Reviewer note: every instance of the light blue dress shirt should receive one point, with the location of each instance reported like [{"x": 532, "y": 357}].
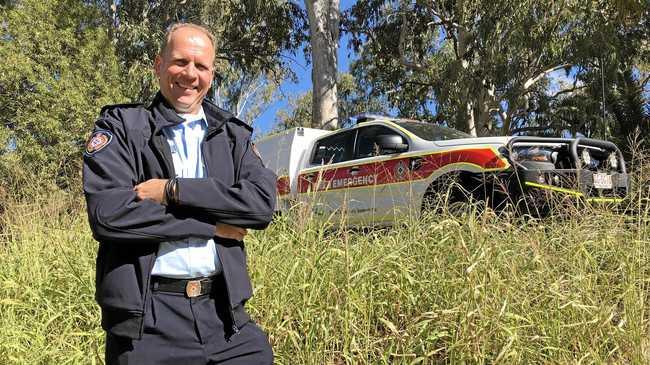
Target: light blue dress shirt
[{"x": 193, "y": 257}]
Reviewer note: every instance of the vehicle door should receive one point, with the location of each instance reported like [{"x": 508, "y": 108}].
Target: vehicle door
[
  {"x": 383, "y": 173},
  {"x": 323, "y": 185}
]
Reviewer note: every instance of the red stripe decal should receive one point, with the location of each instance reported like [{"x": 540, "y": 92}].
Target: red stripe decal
[
  {"x": 397, "y": 170},
  {"x": 283, "y": 185}
]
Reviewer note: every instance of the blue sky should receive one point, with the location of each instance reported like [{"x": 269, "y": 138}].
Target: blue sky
[{"x": 302, "y": 68}]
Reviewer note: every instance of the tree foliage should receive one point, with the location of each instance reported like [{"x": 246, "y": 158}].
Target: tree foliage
[
  {"x": 492, "y": 67},
  {"x": 486, "y": 65},
  {"x": 58, "y": 69}
]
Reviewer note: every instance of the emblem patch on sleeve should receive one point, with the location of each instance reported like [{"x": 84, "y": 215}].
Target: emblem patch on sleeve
[{"x": 98, "y": 141}]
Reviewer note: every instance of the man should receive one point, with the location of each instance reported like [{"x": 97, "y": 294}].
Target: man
[{"x": 171, "y": 190}]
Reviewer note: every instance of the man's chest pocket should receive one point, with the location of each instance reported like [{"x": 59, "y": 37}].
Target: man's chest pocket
[{"x": 218, "y": 160}]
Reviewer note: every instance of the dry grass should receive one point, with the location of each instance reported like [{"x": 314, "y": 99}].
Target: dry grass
[{"x": 476, "y": 289}]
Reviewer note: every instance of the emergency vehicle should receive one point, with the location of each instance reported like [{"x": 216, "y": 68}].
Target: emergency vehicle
[{"x": 384, "y": 167}]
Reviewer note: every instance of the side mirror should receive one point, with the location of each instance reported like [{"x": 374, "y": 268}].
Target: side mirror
[{"x": 391, "y": 143}]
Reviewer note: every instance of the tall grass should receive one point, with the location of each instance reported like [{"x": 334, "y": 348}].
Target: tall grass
[
  {"x": 47, "y": 309},
  {"x": 476, "y": 289}
]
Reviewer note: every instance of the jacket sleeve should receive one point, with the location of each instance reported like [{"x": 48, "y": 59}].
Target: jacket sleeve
[
  {"x": 248, "y": 203},
  {"x": 114, "y": 213}
]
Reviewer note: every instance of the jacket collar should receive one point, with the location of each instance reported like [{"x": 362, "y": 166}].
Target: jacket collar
[
  {"x": 164, "y": 115},
  {"x": 216, "y": 117}
]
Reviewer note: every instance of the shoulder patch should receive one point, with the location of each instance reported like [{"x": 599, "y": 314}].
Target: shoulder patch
[{"x": 97, "y": 141}]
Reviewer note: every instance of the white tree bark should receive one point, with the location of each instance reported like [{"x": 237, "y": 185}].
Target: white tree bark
[
  {"x": 324, "y": 18},
  {"x": 531, "y": 81},
  {"x": 461, "y": 49},
  {"x": 471, "y": 123}
]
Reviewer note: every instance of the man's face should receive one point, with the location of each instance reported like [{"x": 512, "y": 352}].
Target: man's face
[{"x": 184, "y": 69}]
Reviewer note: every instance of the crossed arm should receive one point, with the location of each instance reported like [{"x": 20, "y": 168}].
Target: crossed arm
[
  {"x": 122, "y": 211},
  {"x": 154, "y": 189}
]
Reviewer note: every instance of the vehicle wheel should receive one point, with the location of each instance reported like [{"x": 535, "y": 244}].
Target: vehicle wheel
[{"x": 453, "y": 195}]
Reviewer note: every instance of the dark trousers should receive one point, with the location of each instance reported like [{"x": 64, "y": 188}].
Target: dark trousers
[{"x": 188, "y": 331}]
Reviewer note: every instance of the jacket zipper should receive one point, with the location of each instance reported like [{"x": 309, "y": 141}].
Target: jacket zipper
[
  {"x": 235, "y": 329},
  {"x": 147, "y": 289},
  {"x": 203, "y": 159},
  {"x": 164, "y": 154}
]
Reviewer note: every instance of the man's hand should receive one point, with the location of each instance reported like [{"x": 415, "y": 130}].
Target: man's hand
[
  {"x": 232, "y": 232},
  {"x": 153, "y": 189}
]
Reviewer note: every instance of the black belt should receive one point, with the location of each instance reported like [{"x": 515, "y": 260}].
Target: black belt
[
  {"x": 236, "y": 316},
  {"x": 190, "y": 287}
]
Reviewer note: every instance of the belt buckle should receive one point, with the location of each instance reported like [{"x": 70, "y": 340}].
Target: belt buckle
[{"x": 193, "y": 288}]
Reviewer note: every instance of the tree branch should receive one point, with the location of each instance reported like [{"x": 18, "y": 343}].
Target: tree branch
[
  {"x": 436, "y": 24},
  {"x": 644, "y": 82},
  {"x": 402, "y": 54},
  {"x": 566, "y": 91},
  {"x": 532, "y": 129},
  {"x": 531, "y": 81},
  {"x": 449, "y": 26},
  {"x": 246, "y": 94},
  {"x": 416, "y": 83},
  {"x": 444, "y": 20}
]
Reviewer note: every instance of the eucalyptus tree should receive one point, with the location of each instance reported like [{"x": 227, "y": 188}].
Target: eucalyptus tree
[
  {"x": 482, "y": 66},
  {"x": 324, "y": 39},
  {"x": 615, "y": 71},
  {"x": 608, "y": 96}
]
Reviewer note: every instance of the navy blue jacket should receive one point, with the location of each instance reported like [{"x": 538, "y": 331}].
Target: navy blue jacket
[{"x": 238, "y": 190}]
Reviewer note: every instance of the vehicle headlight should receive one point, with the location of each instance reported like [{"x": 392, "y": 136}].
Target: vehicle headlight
[
  {"x": 613, "y": 161},
  {"x": 586, "y": 157}
]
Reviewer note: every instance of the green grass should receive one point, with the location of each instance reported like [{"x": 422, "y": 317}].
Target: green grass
[{"x": 477, "y": 289}]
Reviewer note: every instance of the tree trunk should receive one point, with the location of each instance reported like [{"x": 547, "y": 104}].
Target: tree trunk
[
  {"x": 471, "y": 123},
  {"x": 463, "y": 40},
  {"x": 482, "y": 117},
  {"x": 505, "y": 121},
  {"x": 324, "y": 40}
]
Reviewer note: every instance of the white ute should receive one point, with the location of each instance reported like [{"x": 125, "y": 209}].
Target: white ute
[{"x": 384, "y": 167}]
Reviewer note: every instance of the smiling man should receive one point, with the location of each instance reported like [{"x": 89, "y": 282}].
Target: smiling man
[
  {"x": 171, "y": 189},
  {"x": 185, "y": 67}
]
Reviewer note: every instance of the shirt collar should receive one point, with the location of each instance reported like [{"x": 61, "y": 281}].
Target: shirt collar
[
  {"x": 164, "y": 115},
  {"x": 187, "y": 117}
]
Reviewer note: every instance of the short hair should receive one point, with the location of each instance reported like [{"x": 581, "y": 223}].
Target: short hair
[{"x": 176, "y": 26}]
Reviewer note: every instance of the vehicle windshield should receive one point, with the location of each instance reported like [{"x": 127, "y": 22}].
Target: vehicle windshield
[{"x": 432, "y": 132}]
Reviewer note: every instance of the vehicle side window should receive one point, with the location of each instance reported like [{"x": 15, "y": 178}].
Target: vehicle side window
[
  {"x": 368, "y": 144},
  {"x": 333, "y": 149}
]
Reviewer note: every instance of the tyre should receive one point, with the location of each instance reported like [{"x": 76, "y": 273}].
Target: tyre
[{"x": 454, "y": 194}]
